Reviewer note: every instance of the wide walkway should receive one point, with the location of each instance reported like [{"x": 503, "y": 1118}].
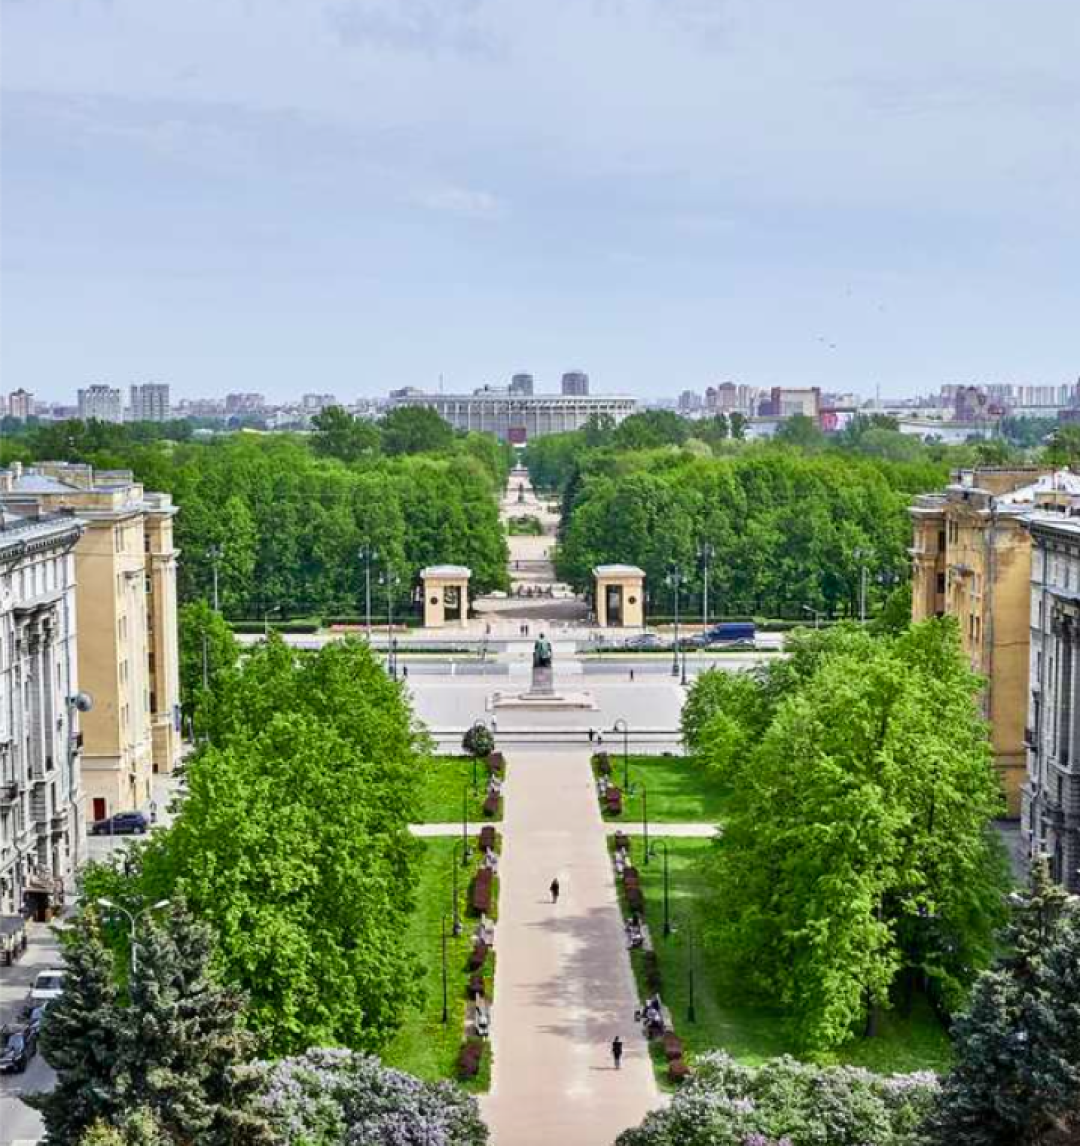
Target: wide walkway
[{"x": 563, "y": 986}]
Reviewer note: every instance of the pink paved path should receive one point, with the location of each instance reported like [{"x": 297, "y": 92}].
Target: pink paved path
[{"x": 563, "y": 985}]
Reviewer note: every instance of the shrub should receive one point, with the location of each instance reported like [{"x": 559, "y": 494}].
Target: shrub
[{"x": 470, "y": 1058}]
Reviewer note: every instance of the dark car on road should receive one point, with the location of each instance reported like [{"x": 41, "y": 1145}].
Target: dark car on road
[
  {"x": 727, "y": 635},
  {"x": 122, "y": 823},
  {"x": 19, "y": 1047},
  {"x": 645, "y": 642}
]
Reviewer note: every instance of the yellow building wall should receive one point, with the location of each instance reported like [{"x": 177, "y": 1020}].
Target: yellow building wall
[{"x": 164, "y": 655}]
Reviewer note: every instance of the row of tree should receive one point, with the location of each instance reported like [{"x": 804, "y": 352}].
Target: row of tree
[
  {"x": 785, "y": 531},
  {"x": 283, "y": 518},
  {"x": 858, "y": 863}
]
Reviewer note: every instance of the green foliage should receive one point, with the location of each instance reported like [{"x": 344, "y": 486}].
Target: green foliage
[
  {"x": 157, "y": 1060},
  {"x": 207, "y": 649},
  {"x": 289, "y": 514},
  {"x": 787, "y": 1103},
  {"x": 331, "y": 1097},
  {"x": 857, "y": 849},
  {"x": 1063, "y": 448},
  {"x": 339, "y": 435},
  {"x": 801, "y": 431},
  {"x": 650, "y": 429},
  {"x": 293, "y": 843},
  {"x": 415, "y": 430},
  {"x": 526, "y": 525},
  {"x": 478, "y": 740},
  {"x": 1017, "y": 1079}
]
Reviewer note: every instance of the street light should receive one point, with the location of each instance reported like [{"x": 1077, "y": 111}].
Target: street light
[
  {"x": 368, "y": 554},
  {"x": 445, "y": 995},
  {"x": 691, "y": 1009},
  {"x": 815, "y": 613},
  {"x": 391, "y": 580},
  {"x": 667, "y": 887},
  {"x": 454, "y": 875},
  {"x": 620, "y": 725},
  {"x": 674, "y": 582},
  {"x": 133, "y": 920},
  {"x": 215, "y": 553},
  {"x": 465, "y": 824},
  {"x": 645, "y": 818},
  {"x": 705, "y": 555}
]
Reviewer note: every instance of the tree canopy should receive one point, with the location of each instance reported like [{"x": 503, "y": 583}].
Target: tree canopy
[
  {"x": 858, "y": 854},
  {"x": 292, "y": 843}
]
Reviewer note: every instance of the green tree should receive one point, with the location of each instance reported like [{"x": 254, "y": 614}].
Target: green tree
[
  {"x": 478, "y": 740},
  {"x": 339, "y": 435},
  {"x": 207, "y": 649},
  {"x": 650, "y": 429},
  {"x": 1063, "y": 448},
  {"x": 308, "y": 895},
  {"x": 802, "y": 431},
  {"x": 1017, "y": 1077},
  {"x": 858, "y": 847},
  {"x": 158, "y": 1058},
  {"x": 415, "y": 430}
]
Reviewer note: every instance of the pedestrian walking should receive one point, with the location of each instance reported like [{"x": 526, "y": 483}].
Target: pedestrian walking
[
  {"x": 592, "y": 735},
  {"x": 631, "y": 676},
  {"x": 555, "y": 890},
  {"x": 616, "y": 1051}
]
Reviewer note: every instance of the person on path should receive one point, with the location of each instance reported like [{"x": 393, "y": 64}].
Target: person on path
[
  {"x": 616, "y": 1051},
  {"x": 555, "y": 890}
]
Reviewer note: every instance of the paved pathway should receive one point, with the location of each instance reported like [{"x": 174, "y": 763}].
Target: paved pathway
[{"x": 563, "y": 985}]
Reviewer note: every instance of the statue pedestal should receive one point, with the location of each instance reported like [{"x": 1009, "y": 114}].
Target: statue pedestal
[{"x": 543, "y": 682}]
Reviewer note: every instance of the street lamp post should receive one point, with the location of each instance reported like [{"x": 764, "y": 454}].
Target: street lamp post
[
  {"x": 465, "y": 824},
  {"x": 674, "y": 580},
  {"x": 454, "y": 875},
  {"x": 815, "y": 613},
  {"x": 667, "y": 887},
  {"x": 368, "y": 554},
  {"x": 620, "y": 725},
  {"x": 691, "y": 1009},
  {"x": 390, "y": 579},
  {"x": 133, "y": 921},
  {"x": 445, "y": 994},
  {"x": 645, "y": 819},
  {"x": 215, "y": 553},
  {"x": 705, "y": 554}
]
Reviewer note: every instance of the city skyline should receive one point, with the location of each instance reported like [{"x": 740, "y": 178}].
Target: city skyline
[{"x": 667, "y": 195}]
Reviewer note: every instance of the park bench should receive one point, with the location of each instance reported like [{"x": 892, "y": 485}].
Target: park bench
[
  {"x": 478, "y": 1018},
  {"x": 485, "y": 932}
]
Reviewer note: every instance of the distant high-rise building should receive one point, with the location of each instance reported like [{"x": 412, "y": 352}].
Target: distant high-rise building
[
  {"x": 150, "y": 402},
  {"x": 689, "y": 402},
  {"x": 101, "y": 403},
  {"x": 21, "y": 404},
  {"x": 521, "y": 384},
  {"x": 575, "y": 384},
  {"x": 316, "y": 403},
  {"x": 244, "y": 404}
]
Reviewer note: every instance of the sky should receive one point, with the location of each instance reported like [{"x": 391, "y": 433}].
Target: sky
[{"x": 348, "y": 196}]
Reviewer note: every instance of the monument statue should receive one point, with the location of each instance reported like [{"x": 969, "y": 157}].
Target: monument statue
[{"x": 542, "y": 653}]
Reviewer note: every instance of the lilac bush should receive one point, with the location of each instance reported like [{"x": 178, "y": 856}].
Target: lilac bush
[
  {"x": 329, "y": 1097},
  {"x": 789, "y": 1103}
]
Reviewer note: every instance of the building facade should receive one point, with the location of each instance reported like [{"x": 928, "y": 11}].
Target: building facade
[
  {"x": 150, "y": 402},
  {"x": 101, "y": 403},
  {"x": 517, "y": 418},
  {"x": 128, "y": 650},
  {"x": 1050, "y": 814},
  {"x": 971, "y": 559},
  {"x": 20, "y": 405},
  {"x": 42, "y": 826}
]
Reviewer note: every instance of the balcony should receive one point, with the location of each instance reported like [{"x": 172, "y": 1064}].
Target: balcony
[{"x": 9, "y": 791}]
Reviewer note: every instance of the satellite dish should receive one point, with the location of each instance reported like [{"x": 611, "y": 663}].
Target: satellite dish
[{"x": 83, "y": 701}]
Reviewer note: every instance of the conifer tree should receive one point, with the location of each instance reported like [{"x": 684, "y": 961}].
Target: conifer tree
[{"x": 1017, "y": 1079}]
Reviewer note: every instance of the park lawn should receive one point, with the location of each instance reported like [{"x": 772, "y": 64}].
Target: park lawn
[
  {"x": 725, "y": 1018},
  {"x": 443, "y": 793},
  {"x": 678, "y": 791},
  {"x": 424, "y": 1045}
]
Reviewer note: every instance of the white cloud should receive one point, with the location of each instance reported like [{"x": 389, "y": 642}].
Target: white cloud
[{"x": 460, "y": 201}]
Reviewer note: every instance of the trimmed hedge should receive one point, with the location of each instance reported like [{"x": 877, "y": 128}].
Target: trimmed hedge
[
  {"x": 470, "y": 1058},
  {"x": 277, "y": 626}
]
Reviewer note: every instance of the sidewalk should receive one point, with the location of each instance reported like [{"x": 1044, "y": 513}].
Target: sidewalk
[{"x": 563, "y": 985}]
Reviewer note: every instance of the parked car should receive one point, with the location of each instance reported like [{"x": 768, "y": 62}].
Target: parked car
[
  {"x": 644, "y": 641},
  {"x": 48, "y": 985},
  {"x": 730, "y": 634},
  {"x": 121, "y": 823},
  {"x": 19, "y": 1047},
  {"x": 12, "y": 938}
]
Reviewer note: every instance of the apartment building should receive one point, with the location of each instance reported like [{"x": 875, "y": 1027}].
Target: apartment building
[
  {"x": 1050, "y": 814},
  {"x": 971, "y": 559},
  {"x": 125, "y": 565},
  {"x": 150, "y": 402},
  {"x": 42, "y": 827},
  {"x": 102, "y": 403},
  {"x": 20, "y": 405}
]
